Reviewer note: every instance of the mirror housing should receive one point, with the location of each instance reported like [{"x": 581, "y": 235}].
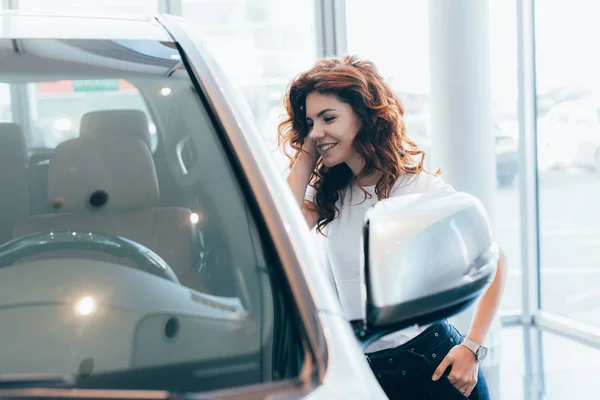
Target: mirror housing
[{"x": 426, "y": 257}]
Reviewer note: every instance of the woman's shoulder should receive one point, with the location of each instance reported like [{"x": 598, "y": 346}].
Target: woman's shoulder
[{"x": 421, "y": 182}]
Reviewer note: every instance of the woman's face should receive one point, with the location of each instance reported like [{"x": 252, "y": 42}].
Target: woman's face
[{"x": 333, "y": 125}]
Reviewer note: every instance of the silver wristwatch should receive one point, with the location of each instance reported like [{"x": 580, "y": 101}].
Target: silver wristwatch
[{"x": 477, "y": 349}]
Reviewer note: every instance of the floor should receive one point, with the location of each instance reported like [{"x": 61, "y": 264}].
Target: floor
[{"x": 569, "y": 368}]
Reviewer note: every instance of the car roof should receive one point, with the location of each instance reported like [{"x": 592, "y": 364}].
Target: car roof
[{"x": 16, "y": 24}]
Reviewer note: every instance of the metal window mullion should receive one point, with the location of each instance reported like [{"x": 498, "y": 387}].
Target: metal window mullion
[
  {"x": 163, "y": 6},
  {"x": 19, "y": 101},
  {"x": 330, "y": 23},
  {"x": 173, "y": 7},
  {"x": 10, "y": 4},
  {"x": 569, "y": 328},
  {"x": 528, "y": 194},
  {"x": 511, "y": 318},
  {"x": 528, "y": 191}
]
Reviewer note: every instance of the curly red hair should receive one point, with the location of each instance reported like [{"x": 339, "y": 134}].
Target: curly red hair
[{"x": 382, "y": 141}]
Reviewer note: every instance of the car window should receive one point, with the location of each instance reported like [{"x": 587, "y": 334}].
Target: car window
[
  {"x": 125, "y": 267},
  {"x": 56, "y": 107}
]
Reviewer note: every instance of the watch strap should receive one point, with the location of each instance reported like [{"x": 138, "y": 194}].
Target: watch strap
[{"x": 471, "y": 345}]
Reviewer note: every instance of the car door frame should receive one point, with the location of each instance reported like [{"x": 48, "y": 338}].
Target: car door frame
[{"x": 271, "y": 224}]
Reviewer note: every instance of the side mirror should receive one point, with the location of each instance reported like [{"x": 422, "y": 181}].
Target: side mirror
[{"x": 426, "y": 257}]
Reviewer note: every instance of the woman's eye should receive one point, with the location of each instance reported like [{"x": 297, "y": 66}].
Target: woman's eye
[{"x": 328, "y": 120}]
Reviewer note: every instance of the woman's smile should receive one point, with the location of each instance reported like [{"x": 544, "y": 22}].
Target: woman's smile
[{"x": 325, "y": 147}]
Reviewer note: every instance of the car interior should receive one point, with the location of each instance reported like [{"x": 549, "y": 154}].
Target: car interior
[
  {"x": 112, "y": 153},
  {"x": 176, "y": 195}
]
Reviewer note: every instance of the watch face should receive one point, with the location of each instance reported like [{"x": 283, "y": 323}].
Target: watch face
[{"x": 482, "y": 353}]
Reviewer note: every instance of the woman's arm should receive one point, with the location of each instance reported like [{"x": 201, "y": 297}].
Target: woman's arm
[
  {"x": 489, "y": 303},
  {"x": 464, "y": 364},
  {"x": 299, "y": 178}
]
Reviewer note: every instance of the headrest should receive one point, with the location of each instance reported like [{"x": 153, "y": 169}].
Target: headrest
[
  {"x": 82, "y": 169},
  {"x": 12, "y": 143},
  {"x": 115, "y": 123}
]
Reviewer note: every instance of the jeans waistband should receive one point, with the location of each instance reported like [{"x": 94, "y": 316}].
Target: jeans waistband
[{"x": 423, "y": 343}]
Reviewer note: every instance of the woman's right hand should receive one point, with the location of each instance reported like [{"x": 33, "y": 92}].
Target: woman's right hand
[
  {"x": 310, "y": 147},
  {"x": 299, "y": 178}
]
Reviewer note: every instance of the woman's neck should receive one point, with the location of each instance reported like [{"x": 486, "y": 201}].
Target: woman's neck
[
  {"x": 370, "y": 180},
  {"x": 356, "y": 164}
]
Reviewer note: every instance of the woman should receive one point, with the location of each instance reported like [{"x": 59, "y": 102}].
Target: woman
[{"x": 350, "y": 149}]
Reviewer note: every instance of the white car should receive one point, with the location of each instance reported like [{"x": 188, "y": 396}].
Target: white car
[
  {"x": 506, "y": 145},
  {"x": 568, "y": 135},
  {"x": 179, "y": 266}
]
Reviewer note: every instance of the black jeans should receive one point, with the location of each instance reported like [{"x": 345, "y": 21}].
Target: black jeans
[{"x": 405, "y": 372}]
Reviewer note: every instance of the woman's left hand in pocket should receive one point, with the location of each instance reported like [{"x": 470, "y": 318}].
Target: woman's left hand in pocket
[{"x": 465, "y": 368}]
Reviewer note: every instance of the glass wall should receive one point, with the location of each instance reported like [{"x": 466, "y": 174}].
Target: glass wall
[{"x": 568, "y": 146}]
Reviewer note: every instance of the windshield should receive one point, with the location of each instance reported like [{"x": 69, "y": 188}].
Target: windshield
[{"x": 128, "y": 255}]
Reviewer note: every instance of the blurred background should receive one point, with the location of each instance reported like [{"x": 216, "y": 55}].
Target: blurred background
[{"x": 263, "y": 44}]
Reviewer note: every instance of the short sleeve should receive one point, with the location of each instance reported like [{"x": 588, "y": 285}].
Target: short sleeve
[
  {"x": 436, "y": 184},
  {"x": 420, "y": 183},
  {"x": 310, "y": 194}
]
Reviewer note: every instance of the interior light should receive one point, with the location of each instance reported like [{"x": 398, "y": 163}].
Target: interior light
[
  {"x": 194, "y": 218},
  {"x": 63, "y": 124},
  {"x": 165, "y": 91},
  {"x": 86, "y": 306}
]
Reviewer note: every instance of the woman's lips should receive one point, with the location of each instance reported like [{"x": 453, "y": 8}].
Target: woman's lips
[{"x": 324, "y": 148}]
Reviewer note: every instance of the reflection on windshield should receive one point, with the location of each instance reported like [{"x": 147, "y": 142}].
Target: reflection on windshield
[{"x": 121, "y": 266}]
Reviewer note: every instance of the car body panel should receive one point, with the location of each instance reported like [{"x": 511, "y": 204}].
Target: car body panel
[
  {"x": 568, "y": 135},
  {"x": 17, "y": 24},
  {"x": 346, "y": 378}
]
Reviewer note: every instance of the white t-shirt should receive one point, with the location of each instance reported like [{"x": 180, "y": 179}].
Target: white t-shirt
[{"x": 343, "y": 246}]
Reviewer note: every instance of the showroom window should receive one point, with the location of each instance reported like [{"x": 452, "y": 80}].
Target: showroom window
[
  {"x": 568, "y": 154},
  {"x": 57, "y": 107}
]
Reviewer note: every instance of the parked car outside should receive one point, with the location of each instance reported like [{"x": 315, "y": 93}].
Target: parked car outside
[{"x": 506, "y": 145}]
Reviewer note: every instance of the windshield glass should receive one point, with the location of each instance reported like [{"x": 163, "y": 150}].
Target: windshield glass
[{"x": 129, "y": 258}]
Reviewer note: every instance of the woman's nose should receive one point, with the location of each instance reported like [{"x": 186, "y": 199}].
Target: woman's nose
[{"x": 316, "y": 133}]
